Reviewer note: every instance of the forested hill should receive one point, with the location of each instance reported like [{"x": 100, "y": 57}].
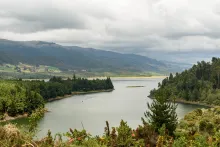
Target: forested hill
[
  {"x": 20, "y": 97},
  {"x": 199, "y": 83},
  {"x": 76, "y": 58}
]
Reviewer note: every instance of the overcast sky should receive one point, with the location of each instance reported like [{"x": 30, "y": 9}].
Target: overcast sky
[{"x": 134, "y": 26}]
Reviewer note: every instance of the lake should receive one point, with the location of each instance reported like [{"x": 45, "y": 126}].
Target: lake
[{"x": 92, "y": 110}]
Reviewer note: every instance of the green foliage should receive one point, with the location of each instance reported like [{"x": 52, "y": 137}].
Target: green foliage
[
  {"x": 199, "y": 83},
  {"x": 147, "y": 133},
  {"x": 180, "y": 142},
  {"x": 162, "y": 130},
  {"x": 200, "y": 141},
  {"x": 124, "y": 135},
  {"x": 78, "y": 136},
  {"x": 202, "y": 125},
  {"x": 16, "y": 99},
  {"x": 210, "y": 128},
  {"x": 20, "y": 97},
  {"x": 34, "y": 118},
  {"x": 162, "y": 112},
  {"x": 58, "y": 87},
  {"x": 91, "y": 143},
  {"x": 198, "y": 112},
  {"x": 199, "y": 130},
  {"x": 207, "y": 126}
]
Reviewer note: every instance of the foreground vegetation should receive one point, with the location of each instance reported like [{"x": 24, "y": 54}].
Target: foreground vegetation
[
  {"x": 201, "y": 83},
  {"x": 200, "y": 128},
  {"x": 19, "y": 97}
]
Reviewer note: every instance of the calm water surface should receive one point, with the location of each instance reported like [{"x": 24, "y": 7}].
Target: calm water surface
[{"x": 92, "y": 110}]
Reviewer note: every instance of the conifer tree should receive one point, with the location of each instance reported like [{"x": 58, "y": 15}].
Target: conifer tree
[{"x": 162, "y": 111}]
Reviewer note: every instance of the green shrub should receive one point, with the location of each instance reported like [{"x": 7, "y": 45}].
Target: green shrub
[
  {"x": 217, "y": 110},
  {"x": 200, "y": 141},
  {"x": 180, "y": 142},
  {"x": 182, "y": 124},
  {"x": 124, "y": 135},
  {"x": 90, "y": 143},
  {"x": 190, "y": 116},
  {"x": 198, "y": 112},
  {"x": 217, "y": 120},
  {"x": 210, "y": 128},
  {"x": 78, "y": 137},
  {"x": 2, "y": 116},
  {"x": 202, "y": 125},
  {"x": 181, "y": 133}
]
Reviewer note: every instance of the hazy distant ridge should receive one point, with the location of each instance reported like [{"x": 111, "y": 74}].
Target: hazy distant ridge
[{"x": 73, "y": 57}]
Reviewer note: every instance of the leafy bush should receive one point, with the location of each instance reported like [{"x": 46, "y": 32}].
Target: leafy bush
[
  {"x": 210, "y": 128},
  {"x": 198, "y": 112},
  {"x": 180, "y": 142},
  {"x": 124, "y": 135},
  {"x": 202, "y": 125},
  {"x": 200, "y": 141}
]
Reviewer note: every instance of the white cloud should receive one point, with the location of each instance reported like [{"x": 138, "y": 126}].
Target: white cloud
[{"x": 122, "y": 25}]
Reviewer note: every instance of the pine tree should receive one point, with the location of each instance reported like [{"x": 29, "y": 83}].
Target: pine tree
[
  {"x": 74, "y": 77},
  {"x": 162, "y": 112},
  {"x": 74, "y": 88},
  {"x": 109, "y": 83},
  {"x": 171, "y": 76}
]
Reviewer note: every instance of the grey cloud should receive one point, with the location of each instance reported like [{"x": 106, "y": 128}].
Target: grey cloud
[
  {"x": 41, "y": 21},
  {"x": 125, "y": 26}
]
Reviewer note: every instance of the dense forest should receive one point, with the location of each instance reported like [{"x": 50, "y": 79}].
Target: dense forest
[
  {"x": 19, "y": 97},
  {"x": 200, "y": 83}
]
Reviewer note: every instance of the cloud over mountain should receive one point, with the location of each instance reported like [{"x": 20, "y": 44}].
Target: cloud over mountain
[{"x": 125, "y": 26}]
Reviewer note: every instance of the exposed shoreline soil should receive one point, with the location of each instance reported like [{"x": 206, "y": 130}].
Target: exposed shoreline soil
[{"x": 9, "y": 118}]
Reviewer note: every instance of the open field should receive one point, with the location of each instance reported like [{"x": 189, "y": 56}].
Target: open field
[{"x": 26, "y": 71}]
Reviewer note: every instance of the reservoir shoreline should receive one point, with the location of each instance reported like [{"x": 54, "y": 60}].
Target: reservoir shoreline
[
  {"x": 181, "y": 101},
  {"x": 79, "y": 93},
  {"x": 25, "y": 115}
]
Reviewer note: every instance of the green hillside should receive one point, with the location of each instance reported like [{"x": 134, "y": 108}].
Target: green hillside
[
  {"x": 77, "y": 59},
  {"x": 201, "y": 84}
]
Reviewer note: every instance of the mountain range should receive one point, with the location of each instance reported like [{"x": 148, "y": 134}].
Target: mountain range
[{"x": 78, "y": 58}]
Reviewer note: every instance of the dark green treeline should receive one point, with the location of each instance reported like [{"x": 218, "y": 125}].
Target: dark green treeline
[
  {"x": 19, "y": 97},
  {"x": 199, "y": 83}
]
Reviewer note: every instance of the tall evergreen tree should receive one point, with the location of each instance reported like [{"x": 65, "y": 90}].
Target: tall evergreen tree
[
  {"x": 162, "y": 111},
  {"x": 74, "y": 77},
  {"x": 171, "y": 76}
]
